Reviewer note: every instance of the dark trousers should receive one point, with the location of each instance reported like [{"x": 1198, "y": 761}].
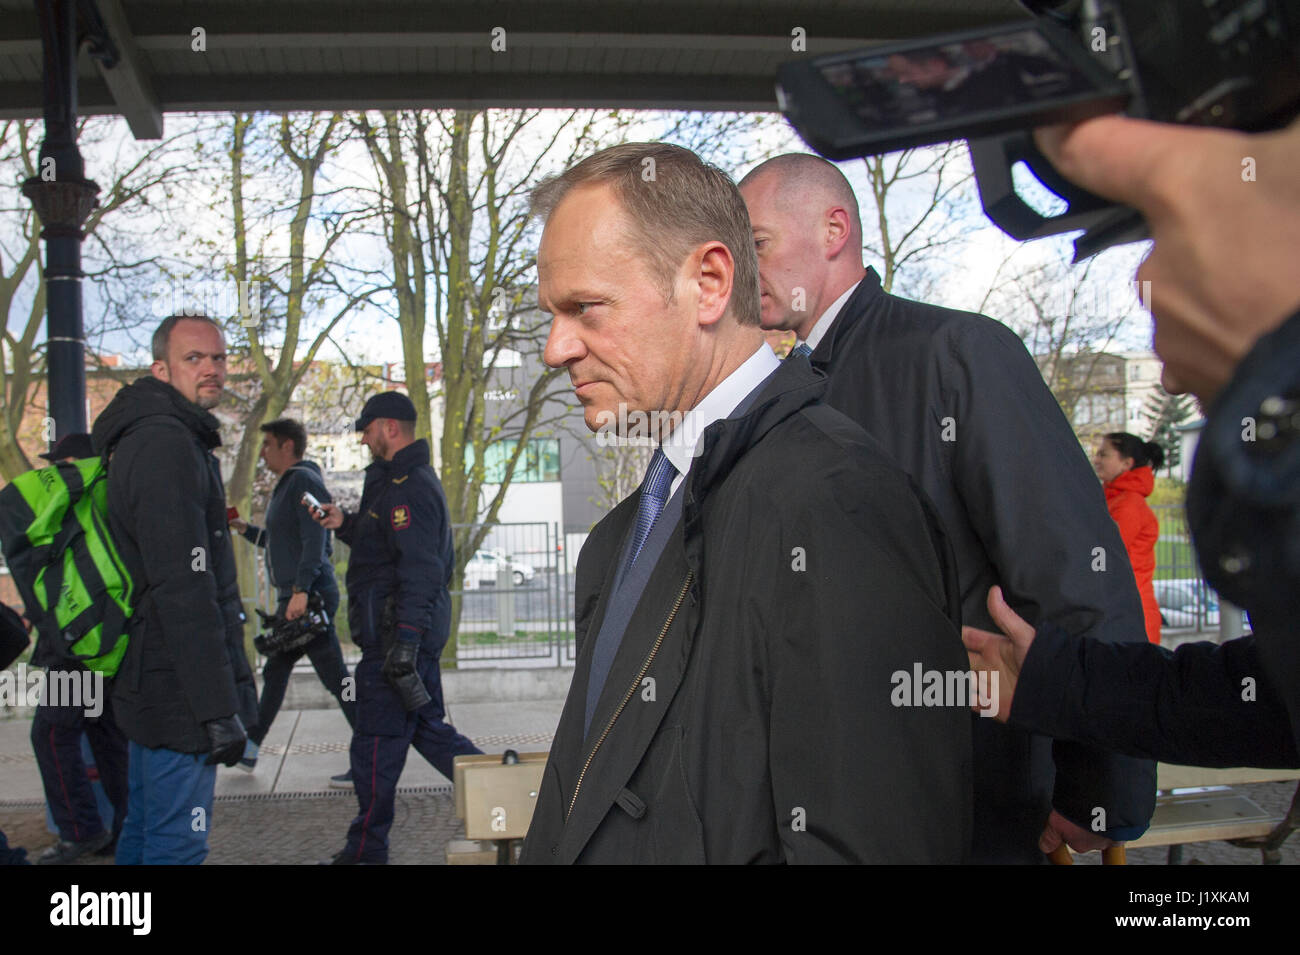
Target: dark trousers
[
  {"x": 56, "y": 740},
  {"x": 384, "y": 731},
  {"x": 326, "y": 659}
]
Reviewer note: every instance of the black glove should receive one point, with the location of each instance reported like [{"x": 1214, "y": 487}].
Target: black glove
[
  {"x": 399, "y": 669},
  {"x": 400, "y": 660},
  {"x": 227, "y": 737}
]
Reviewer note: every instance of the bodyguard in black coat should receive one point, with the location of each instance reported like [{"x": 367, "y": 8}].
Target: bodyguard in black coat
[
  {"x": 957, "y": 401},
  {"x": 741, "y": 640}
]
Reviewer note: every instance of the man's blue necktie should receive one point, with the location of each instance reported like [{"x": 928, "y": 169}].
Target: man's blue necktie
[
  {"x": 800, "y": 350},
  {"x": 654, "y": 495}
]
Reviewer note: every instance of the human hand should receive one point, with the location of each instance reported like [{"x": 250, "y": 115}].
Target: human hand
[
  {"x": 331, "y": 516},
  {"x": 297, "y": 606},
  {"x": 226, "y": 738},
  {"x": 239, "y": 524},
  {"x": 1060, "y": 830},
  {"x": 400, "y": 660},
  {"x": 998, "y": 655},
  {"x": 1224, "y": 211}
]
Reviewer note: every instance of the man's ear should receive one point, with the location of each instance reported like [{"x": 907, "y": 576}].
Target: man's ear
[
  {"x": 715, "y": 273},
  {"x": 160, "y": 371},
  {"x": 838, "y": 232}
]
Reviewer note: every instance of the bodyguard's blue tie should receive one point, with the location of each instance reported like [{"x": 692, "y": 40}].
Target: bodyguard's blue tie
[
  {"x": 800, "y": 350},
  {"x": 654, "y": 495}
]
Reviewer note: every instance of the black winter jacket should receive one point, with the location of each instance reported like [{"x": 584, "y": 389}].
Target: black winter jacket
[
  {"x": 956, "y": 400},
  {"x": 748, "y": 713},
  {"x": 402, "y": 554},
  {"x": 185, "y": 662}
]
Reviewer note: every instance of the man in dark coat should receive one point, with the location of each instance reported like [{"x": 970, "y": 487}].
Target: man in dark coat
[
  {"x": 399, "y": 612},
  {"x": 745, "y": 620},
  {"x": 957, "y": 401},
  {"x": 184, "y": 691}
]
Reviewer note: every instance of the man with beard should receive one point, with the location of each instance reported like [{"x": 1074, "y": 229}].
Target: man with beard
[
  {"x": 399, "y": 610},
  {"x": 184, "y": 692}
]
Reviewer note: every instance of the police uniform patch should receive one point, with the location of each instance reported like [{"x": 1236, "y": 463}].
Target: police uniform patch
[{"x": 401, "y": 517}]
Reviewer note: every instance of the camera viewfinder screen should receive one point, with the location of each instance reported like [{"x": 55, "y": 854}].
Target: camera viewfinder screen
[{"x": 953, "y": 81}]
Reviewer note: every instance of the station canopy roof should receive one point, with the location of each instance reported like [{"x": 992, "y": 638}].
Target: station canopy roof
[{"x": 376, "y": 54}]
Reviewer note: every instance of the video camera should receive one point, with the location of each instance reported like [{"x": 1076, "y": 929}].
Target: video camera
[
  {"x": 283, "y": 636},
  {"x": 1228, "y": 63}
]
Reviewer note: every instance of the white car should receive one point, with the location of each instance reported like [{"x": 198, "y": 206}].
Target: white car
[
  {"x": 481, "y": 569},
  {"x": 1184, "y": 604},
  {"x": 1188, "y": 603}
]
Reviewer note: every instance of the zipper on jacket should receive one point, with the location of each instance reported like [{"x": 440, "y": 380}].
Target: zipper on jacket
[{"x": 631, "y": 690}]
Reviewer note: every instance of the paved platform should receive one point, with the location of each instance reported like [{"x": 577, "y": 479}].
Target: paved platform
[{"x": 284, "y": 812}]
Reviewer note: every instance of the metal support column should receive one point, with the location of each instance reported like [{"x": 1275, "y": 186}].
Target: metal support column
[{"x": 63, "y": 198}]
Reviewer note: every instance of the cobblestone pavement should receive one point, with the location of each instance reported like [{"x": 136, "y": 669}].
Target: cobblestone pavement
[
  {"x": 288, "y": 830},
  {"x": 296, "y": 830}
]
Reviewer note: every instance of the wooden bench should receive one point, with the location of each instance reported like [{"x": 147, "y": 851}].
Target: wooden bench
[{"x": 1195, "y": 804}]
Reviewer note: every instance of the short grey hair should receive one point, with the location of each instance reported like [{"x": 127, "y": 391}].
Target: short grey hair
[
  {"x": 686, "y": 202},
  {"x": 804, "y": 176}
]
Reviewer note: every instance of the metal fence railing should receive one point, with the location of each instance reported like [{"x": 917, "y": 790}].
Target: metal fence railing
[
  {"x": 516, "y": 595},
  {"x": 1187, "y": 603},
  {"x": 514, "y": 606}
]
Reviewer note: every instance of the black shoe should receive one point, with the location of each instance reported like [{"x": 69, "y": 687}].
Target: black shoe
[
  {"x": 62, "y": 852},
  {"x": 348, "y": 857},
  {"x": 342, "y": 781}
]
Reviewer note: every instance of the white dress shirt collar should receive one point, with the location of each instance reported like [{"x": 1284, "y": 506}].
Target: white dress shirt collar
[
  {"x": 828, "y": 317},
  {"x": 682, "y": 445}
]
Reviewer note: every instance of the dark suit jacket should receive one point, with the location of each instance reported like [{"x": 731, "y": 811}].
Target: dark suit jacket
[
  {"x": 748, "y": 715},
  {"x": 958, "y": 402}
]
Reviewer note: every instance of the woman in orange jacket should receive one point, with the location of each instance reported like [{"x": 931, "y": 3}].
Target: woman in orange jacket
[{"x": 1126, "y": 465}]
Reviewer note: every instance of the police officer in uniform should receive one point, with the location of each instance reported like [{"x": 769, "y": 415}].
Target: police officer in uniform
[{"x": 399, "y": 610}]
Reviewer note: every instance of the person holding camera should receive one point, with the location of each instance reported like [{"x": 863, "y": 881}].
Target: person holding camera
[
  {"x": 1225, "y": 296},
  {"x": 299, "y": 551},
  {"x": 399, "y": 610}
]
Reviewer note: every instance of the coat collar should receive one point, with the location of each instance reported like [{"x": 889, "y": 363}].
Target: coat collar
[
  {"x": 149, "y": 397},
  {"x": 854, "y": 311},
  {"x": 404, "y": 461},
  {"x": 792, "y": 386},
  {"x": 1139, "y": 480}
]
